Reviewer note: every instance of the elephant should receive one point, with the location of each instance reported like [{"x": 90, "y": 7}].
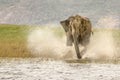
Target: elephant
[{"x": 78, "y": 31}]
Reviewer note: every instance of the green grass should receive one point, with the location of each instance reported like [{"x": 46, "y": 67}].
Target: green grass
[
  {"x": 13, "y": 39},
  {"x": 12, "y": 32}
]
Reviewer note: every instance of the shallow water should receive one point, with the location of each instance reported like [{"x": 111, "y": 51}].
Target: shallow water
[{"x": 37, "y": 69}]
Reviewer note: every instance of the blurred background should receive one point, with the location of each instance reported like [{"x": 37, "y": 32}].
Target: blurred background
[{"x": 40, "y": 12}]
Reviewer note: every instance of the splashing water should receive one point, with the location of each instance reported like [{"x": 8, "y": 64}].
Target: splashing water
[
  {"x": 102, "y": 42},
  {"x": 44, "y": 43},
  {"x": 101, "y": 46}
]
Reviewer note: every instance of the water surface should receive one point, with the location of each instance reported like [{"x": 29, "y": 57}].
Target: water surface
[{"x": 37, "y": 69}]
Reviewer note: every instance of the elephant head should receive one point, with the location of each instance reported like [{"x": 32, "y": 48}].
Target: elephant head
[
  {"x": 73, "y": 28},
  {"x": 78, "y": 31}
]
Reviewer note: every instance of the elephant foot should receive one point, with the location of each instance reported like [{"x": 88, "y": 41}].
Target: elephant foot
[{"x": 79, "y": 57}]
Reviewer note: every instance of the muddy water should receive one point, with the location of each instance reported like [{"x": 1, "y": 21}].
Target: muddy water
[{"x": 37, "y": 69}]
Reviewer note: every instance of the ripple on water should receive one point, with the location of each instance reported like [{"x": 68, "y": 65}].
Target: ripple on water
[{"x": 35, "y": 69}]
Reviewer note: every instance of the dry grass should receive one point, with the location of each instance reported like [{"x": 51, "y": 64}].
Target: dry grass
[
  {"x": 8, "y": 49},
  {"x": 13, "y": 39}
]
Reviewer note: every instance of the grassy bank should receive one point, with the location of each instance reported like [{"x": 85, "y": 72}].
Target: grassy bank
[{"x": 13, "y": 39}]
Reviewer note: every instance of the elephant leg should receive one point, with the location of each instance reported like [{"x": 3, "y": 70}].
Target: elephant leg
[
  {"x": 69, "y": 39},
  {"x": 77, "y": 48},
  {"x": 85, "y": 42}
]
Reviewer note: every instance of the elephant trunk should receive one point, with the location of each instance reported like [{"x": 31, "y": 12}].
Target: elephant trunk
[
  {"x": 76, "y": 45},
  {"x": 77, "y": 48}
]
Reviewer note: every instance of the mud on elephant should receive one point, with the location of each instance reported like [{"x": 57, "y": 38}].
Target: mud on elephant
[{"x": 78, "y": 31}]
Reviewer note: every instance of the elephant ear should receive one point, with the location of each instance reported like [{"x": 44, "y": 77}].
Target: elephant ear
[
  {"x": 86, "y": 24},
  {"x": 65, "y": 24}
]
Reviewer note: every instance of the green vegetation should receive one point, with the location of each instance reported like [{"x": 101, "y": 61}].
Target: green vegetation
[{"x": 13, "y": 39}]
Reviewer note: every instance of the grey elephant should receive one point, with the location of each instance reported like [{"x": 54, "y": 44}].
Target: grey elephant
[{"x": 78, "y": 31}]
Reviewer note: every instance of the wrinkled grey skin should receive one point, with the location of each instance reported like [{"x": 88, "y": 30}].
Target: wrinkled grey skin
[{"x": 78, "y": 31}]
